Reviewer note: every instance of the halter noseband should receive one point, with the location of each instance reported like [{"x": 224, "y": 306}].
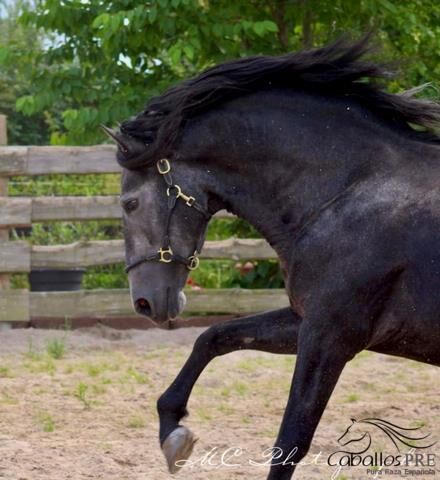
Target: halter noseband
[{"x": 165, "y": 254}]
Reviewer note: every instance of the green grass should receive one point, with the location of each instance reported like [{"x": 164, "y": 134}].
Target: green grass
[
  {"x": 240, "y": 388},
  {"x": 41, "y": 364},
  {"x": 138, "y": 377},
  {"x": 5, "y": 372},
  {"x": 81, "y": 394},
  {"x": 225, "y": 409},
  {"x": 351, "y": 398},
  {"x": 226, "y": 392},
  {"x": 47, "y": 422},
  {"x": 94, "y": 370},
  {"x": 136, "y": 421},
  {"x": 56, "y": 348},
  {"x": 203, "y": 414},
  {"x": 419, "y": 424}
]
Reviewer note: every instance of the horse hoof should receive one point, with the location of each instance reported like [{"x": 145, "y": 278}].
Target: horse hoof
[{"x": 178, "y": 446}]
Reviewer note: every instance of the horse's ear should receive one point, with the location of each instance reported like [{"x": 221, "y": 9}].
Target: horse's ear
[{"x": 131, "y": 152}]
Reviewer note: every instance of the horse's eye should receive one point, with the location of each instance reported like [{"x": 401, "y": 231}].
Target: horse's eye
[{"x": 130, "y": 205}]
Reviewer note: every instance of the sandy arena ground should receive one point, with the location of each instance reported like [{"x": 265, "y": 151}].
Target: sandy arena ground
[{"x": 91, "y": 414}]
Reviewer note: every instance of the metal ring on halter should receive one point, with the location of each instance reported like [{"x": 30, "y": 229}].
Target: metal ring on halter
[
  {"x": 167, "y": 167},
  {"x": 194, "y": 262}
]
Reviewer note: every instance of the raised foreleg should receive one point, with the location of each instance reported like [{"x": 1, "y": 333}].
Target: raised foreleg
[{"x": 274, "y": 332}]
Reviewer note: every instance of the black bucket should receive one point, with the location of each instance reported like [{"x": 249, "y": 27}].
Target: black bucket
[{"x": 56, "y": 280}]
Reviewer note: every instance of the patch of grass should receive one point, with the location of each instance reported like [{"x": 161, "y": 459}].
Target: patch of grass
[
  {"x": 352, "y": 397},
  {"x": 204, "y": 414},
  {"x": 225, "y": 409},
  {"x": 47, "y": 422},
  {"x": 137, "y": 376},
  {"x": 271, "y": 433},
  {"x": 419, "y": 424},
  {"x": 94, "y": 370},
  {"x": 136, "y": 421},
  {"x": 5, "y": 372},
  {"x": 42, "y": 365},
  {"x": 289, "y": 362},
  {"x": 248, "y": 366},
  {"x": 240, "y": 388},
  {"x": 56, "y": 347},
  {"x": 360, "y": 357},
  {"x": 225, "y": 392},
  {"x": 81, "y": 394}
]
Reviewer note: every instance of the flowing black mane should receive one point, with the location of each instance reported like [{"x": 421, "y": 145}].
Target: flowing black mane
[{"x": 337, "y": 69}]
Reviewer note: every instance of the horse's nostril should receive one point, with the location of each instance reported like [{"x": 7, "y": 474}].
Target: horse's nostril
[{"x": 143, "y": 307}]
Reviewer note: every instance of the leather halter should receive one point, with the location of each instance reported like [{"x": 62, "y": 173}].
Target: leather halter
[{"x": 165, "y": 254}]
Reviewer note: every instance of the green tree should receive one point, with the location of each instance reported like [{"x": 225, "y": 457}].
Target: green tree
[
  {"x": 19, "y": 45},
  {"x": 106, "y": 59}
]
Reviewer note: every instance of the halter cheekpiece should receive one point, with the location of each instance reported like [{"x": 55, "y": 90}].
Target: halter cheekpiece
[{"x": 165, "y": 254}]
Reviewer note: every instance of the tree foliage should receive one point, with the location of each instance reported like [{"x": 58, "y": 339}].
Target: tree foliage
[
  {"x": 19, "y": 45},
  {"x": 104, "y": 59}
]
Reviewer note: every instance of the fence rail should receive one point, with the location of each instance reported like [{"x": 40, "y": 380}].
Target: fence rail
[
  {"x": 22, "y": 305},
  {"x": 23, "y": 211},
  {"x": 48, "y": 160},
  {"x": 21, "y": 257}
]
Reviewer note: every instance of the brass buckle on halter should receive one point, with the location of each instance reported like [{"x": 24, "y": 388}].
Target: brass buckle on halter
[
  {"x": 166, "y": 255},
  {"x": 194, "y": 261},
  {"x": 163, "y": 166},
  {"x": 186, "y": 198}
]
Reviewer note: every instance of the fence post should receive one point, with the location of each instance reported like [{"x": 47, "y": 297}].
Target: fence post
[{"x": 4, "y": 233}]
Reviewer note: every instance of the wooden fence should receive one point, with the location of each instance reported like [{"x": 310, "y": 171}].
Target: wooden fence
[{"x": 20, "y": 256}]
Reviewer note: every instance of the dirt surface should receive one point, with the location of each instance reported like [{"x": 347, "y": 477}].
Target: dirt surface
[{"x": 91, "y": 413}]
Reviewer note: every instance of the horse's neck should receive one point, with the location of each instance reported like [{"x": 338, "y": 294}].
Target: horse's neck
[{"x": 282, "y": 158}]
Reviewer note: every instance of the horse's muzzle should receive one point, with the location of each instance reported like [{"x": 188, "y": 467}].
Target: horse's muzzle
[{"x": 160, "y": 306}]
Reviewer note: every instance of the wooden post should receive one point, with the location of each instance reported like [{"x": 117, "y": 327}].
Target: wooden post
[{"x": 4, "y": 233}]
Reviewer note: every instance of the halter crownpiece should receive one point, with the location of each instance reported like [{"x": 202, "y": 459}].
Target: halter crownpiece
[{"x": 165, "y": 254}]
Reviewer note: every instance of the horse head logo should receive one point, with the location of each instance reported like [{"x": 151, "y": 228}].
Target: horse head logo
[{"x": 359, "y": 434}]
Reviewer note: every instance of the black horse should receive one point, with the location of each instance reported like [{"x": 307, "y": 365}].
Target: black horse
[{"x": 341, "y": 178}]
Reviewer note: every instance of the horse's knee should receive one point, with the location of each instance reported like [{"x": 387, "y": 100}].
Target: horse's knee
[{"x": 169, "y": 403}]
